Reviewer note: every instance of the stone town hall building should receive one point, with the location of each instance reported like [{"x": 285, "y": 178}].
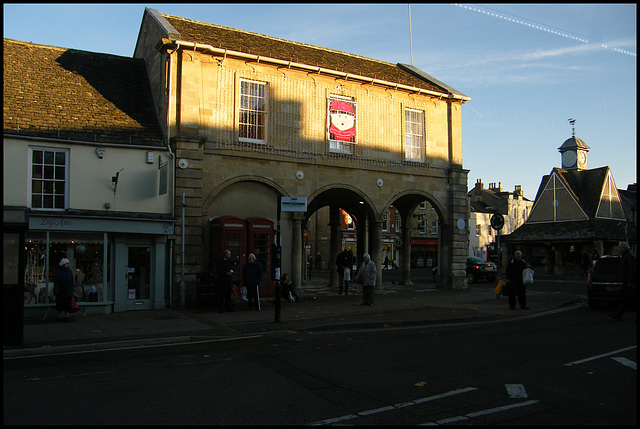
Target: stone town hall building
[
  {"x": 260, "y": 133},
  {"x": 252, "y": 118}
]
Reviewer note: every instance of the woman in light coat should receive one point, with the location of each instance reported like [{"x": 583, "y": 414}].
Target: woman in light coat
[{"x": 367, "y": 274}]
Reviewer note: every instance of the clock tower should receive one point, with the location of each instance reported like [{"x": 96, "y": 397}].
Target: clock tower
[{"x": 574, "y": 152}]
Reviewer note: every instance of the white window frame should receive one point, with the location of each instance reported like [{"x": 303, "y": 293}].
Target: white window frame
[
  {"x": 434, "y": 227},
  {"x": 385, "y": 222},
  {"x": 414, "y": 135},
  {"x": 249, "y": 104},
  {"x": 49, "y": 178}
]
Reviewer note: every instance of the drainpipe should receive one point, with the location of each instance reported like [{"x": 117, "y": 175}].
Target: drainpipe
[
  {"x": 173, "y": 169},
  {"x": 169, "y": 71},
  {"x": 182, "y": 285}
]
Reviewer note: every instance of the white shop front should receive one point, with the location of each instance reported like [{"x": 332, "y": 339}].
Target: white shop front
[{"x": 119, "y": 264}]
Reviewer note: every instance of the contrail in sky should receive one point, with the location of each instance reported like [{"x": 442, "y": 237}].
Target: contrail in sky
[{"x": 537, "y": 26}]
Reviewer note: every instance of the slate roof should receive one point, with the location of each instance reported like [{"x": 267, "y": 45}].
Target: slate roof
[
  {"x": 573, "y": 142},
  {"x": 591, "y": 229},
  {"x": 77, "y": 95},
  {"x": 586, "y": 186},
  {"x": 481, "y": 207},
  {"x": 257, "y": 44}
]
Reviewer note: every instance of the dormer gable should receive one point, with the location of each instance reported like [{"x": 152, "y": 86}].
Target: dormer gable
[
  {"x": 610, "y": 206},
  {"x": 556, "y": 201}
]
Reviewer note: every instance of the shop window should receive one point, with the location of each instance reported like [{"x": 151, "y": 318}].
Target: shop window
[
  {"x": 414, "y": 140},
  {"x": 253, "y": 111},
  {"x": 43, "y": 254},
  {"x": 49, "y": 178}
]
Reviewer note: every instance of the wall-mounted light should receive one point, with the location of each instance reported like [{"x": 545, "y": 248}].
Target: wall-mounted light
[
  {"x": 114, "y": 180},
  {"x": 100, "y": 151}
]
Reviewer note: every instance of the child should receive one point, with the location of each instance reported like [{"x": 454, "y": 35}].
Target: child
[
  {"x": 347, "y": 279},
  {"x": 286, "y": 289}
]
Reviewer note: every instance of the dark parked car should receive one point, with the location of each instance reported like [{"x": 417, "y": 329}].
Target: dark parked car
[
  {"x": 478, "y": 268},
  {"x": 602, "y": 282}
]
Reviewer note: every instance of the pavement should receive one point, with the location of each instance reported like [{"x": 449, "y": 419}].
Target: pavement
[{"x": 320, "y": 309}]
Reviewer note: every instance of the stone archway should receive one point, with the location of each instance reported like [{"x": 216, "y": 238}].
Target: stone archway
[
  {"x": 406, "y": 204},
  {"x": 359, "y": 207}
]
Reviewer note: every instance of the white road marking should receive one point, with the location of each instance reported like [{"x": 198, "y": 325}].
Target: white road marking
[
  {"x": 625, "y": 361},
  {"x": 392, "y": 407},
  {"x": 516, "y": 391},
  {"x": 480, "y": 413},
  {"x": 503, "y": 408},
  {"x": 599, "y": 356}
]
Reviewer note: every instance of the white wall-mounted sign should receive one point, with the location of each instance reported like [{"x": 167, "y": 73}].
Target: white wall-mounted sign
[{"x": 293, "y": 204}]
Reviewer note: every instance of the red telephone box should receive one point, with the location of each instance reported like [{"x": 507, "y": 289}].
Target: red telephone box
[
  {"x": 229, "y": 233},
  {"x": 260, "y": 239}
]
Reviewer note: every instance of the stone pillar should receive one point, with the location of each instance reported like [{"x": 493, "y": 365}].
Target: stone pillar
[
  {"x": 361, "y": 237},
  {"x": 334, "y": 244},
  {"x": 458, "y": 228},
  {"x": 375, "y": 249},
  {"x": 296, "y": 251},
  {"x": 406, "y": 253}
]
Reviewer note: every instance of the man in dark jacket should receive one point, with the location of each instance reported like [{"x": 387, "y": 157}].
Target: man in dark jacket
[
  {"x": 251, "y": 276},
  {"x": 627, "y": 276},
  {"x": 63, "y": 289},
  {"x": 514, "y": 275},
  {"x": 223, "y": 287}
]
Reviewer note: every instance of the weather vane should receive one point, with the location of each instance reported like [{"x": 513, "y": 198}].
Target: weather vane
[{"x": 573, "y": 126}]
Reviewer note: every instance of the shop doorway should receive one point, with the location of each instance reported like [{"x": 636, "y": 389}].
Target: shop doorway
[{"x": 139, "y": 278}]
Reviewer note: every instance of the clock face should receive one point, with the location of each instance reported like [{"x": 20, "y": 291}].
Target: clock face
[
  {"x": 568, "y": 159},
  {"x": 582, "y": 157}
]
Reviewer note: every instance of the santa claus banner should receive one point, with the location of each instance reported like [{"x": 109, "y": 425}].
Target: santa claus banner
[{"x": 342, "y": 120}]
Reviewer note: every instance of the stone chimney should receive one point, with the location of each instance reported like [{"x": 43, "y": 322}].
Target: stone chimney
[
  {"x": 517, "y": 192},
  {"x": 496, "y": 188},
  {"x": 477, "y": 191}
]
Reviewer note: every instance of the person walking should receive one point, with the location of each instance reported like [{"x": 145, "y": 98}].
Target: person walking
[
  {"x": 251, "y": 275},
  {"x": 585, "y": 262},
  {"x": 514, "y": 276},
  {"x": 627, "y": 276},
  {"x": 63, "y": 289},
  {"x": 367, "y": 274},
  {"x": 342, "y": 261},
  {"x": 223, "y": 287}
]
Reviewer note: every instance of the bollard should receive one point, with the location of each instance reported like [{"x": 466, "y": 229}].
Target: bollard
[{"x": 278, "y": 301}]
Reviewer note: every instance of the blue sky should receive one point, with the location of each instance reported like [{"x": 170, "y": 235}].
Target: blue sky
[{"x": 527, "y": 67}]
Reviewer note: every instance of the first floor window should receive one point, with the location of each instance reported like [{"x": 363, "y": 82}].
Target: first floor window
[
  {"x": 414, "y": 135},
  {"x": 253, "y": 111},
  {"x": 49, "y": 178}
]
